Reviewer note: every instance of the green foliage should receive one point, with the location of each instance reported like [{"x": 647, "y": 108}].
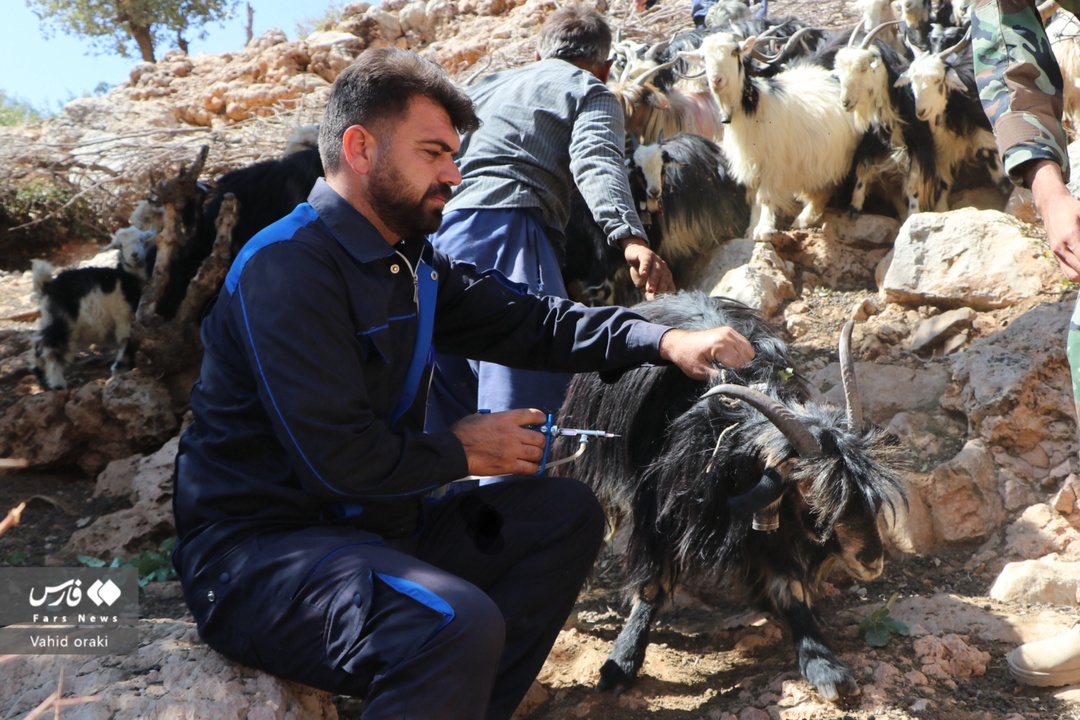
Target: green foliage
[
  {"x": 877, "y": 627},
  {"x": 330, "y": 17},
  {"x": 131, "y": 28},
  {"x": 19, "y": 557},
  {"x": 786, "y": 374},
  {"x": 152, "y": 565},
  {"x": 16, "y": 111}
]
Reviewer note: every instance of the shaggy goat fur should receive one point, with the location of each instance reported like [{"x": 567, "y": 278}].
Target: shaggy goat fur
[{"x": 689, "y": 473}]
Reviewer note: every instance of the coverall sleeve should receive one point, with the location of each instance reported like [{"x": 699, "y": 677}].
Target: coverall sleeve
[
  {"x": 482, "y": 318},
  {"x": 1019, "y": 83}
]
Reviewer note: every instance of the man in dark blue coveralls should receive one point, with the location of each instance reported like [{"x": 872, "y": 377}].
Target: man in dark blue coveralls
[{"x": 310, "y": 545}]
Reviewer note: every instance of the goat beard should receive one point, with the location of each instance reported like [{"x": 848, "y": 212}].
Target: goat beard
[{"x": 390, "y": 195}]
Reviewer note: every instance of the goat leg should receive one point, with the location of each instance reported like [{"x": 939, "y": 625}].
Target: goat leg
[
  {"x": 621, "y": 668},
  {"x": 819, "y": 665}
]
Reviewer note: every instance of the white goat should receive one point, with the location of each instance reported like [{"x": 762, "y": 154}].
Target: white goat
[
  {"x": 89, "y": 305},
  {"x": 787, "y": 137}
]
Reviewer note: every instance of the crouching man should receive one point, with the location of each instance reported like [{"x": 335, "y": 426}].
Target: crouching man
[{"x": 309, "y": 543}]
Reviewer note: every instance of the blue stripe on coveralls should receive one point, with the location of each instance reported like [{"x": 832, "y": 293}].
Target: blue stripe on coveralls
[
  {"x": 427, "y": 289},
  {"x": 423, "y": 596},
  {"x": 283, "y": 229}
]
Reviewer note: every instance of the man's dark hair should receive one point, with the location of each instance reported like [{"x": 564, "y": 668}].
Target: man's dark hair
[
  {"x": 575, "y": 33},
  {"x": 378, "y": 87}
]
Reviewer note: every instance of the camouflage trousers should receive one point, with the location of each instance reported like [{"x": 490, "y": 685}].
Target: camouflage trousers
[{"x": 1073, "y": 350}]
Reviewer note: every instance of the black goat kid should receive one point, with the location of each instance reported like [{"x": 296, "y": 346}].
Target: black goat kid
[{"x": 750, "y": 481}]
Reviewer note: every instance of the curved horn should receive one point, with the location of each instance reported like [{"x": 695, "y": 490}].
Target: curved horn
[
  {"x": 865, "y": 45},
  {"x": 847, "y": 374},
  {"x": 660, "y": 46},
  {"x": 958, "y": 47},
  {"x": 795, "y": 37},
  {"x": 798, "y": 435},
  {"x": 644, "y": 77}
]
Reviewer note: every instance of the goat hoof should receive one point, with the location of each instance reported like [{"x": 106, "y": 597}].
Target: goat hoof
[
  {"x": 614, "y": 679},
  {"x": 833, "y": 680}
]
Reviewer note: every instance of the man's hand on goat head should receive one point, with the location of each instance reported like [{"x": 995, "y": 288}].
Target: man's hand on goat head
[
  {"x": 499, "y": 443},
  {"x": 698, "y": 352}
]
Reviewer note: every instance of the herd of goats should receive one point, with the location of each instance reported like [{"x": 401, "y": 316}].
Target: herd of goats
[{"x": 730, "y": 127}]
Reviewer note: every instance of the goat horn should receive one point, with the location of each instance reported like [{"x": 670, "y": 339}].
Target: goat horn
[
  {"x": 958, "y": 47},
  {"x": 643, "y": 77},
  {"x": 794, "y": 430},
  {"x": 1046, "y": 9},
  {"x": 662, "y": 45},
  {"x": 865, "y": 45},
  {"x": 796, "y": 36},
  {"x": 847, "y": 374}
]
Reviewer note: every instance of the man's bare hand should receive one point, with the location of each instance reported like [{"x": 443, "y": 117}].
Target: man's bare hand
[
  {"x": 500, "y": 444},
  {"x": 1060, "y": 213},
  {"x": 697, "y": 352},
  {"x": 651, "y": 275}
]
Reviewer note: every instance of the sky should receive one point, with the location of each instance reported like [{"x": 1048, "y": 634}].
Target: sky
[{"x": 49, "y": 72}]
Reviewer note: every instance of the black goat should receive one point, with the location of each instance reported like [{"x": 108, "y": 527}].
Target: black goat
[
  {"x": 267, "y": 191},
  {"x": 750, "y": 480}
]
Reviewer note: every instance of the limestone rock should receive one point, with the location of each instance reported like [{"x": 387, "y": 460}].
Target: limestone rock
[
  {"x": 173, "y": 675},
  {"x": 1042, "y": 581},
  {"x": 981, "y": 259}
]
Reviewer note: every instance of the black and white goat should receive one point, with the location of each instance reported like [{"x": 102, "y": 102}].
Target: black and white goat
[
  {"x": 786, "y": 137},
  {"x": 943, "y": 86},
  {"x": 686, "y": 195},
  {"x": 87, "y": 305},
  {"x": 868, "y": 75},
  {"x": 748, "y": 480}
]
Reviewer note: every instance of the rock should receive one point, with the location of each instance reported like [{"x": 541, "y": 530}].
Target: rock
[
  {"x": 142, "y": 526},
  {"x": 750, "y": 272},
  {"x": 173, "y": 675},
  {"x": 950, "y": 656},
  {"x": 962, "y": 495},
  {"x": 886, "y": 390},
  {"x": 934, "y": 332},
  {"x": 1040, "y": 531},
  {"x": 1039, "y": 581},
  {"x": 981, "y": 259}
]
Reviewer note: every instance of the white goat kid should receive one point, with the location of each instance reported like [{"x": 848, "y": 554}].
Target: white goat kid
[
  {"x": 787, "y": 137},
  {"x": 87, "y": 305}
]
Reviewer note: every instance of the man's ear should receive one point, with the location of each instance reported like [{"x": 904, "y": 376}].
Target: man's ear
[{"x": 358, "y": 147}]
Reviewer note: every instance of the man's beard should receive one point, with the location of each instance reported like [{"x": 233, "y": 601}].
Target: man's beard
[{"x": 408, "y": 217}]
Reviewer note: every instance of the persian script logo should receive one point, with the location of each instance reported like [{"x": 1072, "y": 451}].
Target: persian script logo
[{"x": 71, "y": 594}]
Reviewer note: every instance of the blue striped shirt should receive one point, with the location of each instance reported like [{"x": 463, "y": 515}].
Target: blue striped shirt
[{"x": 547, "y": 126}]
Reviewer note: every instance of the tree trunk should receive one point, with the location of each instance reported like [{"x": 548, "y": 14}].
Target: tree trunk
[{"x": 145, "y": 40}]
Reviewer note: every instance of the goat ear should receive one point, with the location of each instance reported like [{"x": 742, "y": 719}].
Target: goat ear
[
  {"x": 767, "y": 491},
  {"x": 903, "y": 80},
  {"x": 747, "y": 45},
  {"x": 953, "y": 81},
  {"x": 691, "y": 55}
]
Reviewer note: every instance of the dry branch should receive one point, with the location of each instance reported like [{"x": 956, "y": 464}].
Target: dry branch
[{"x": 14, "y": 517}]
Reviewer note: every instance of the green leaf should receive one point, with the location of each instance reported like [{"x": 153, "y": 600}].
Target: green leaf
[
  {"x": 17, "y": 558},
  {"x": 877, "y": 636},
  {"x": 90, "y": 561}
]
